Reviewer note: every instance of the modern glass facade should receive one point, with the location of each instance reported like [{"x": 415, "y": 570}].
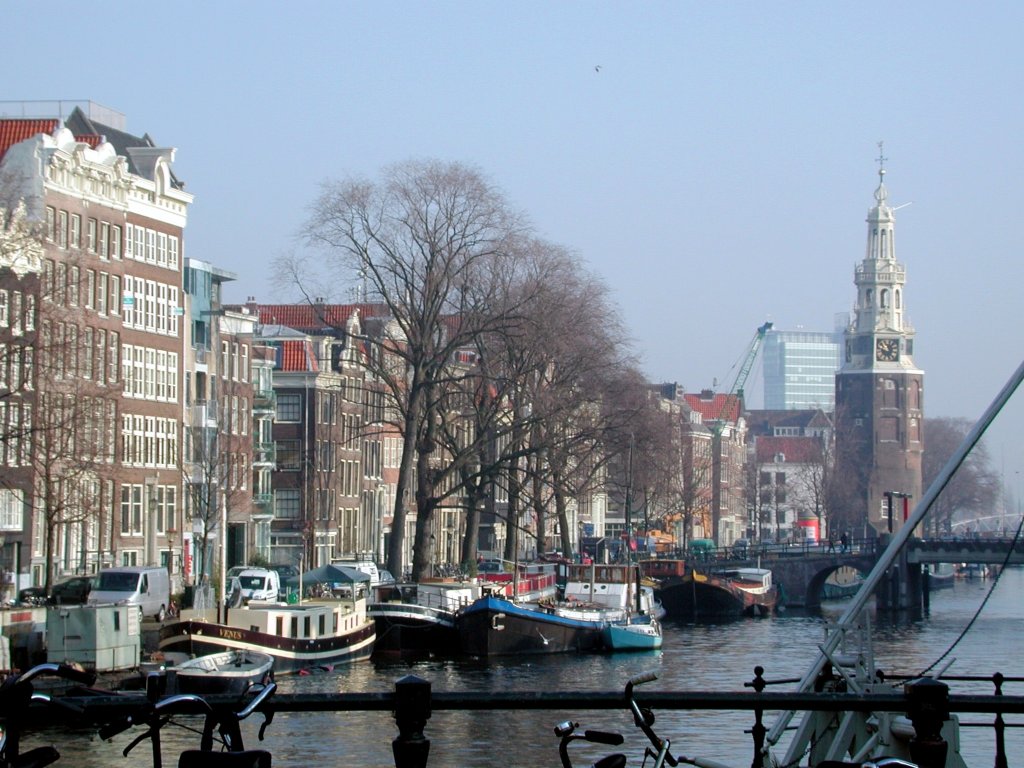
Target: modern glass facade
[{"x": 800, "y": 369}]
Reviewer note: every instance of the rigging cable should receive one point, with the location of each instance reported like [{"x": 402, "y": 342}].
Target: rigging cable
[{"x": 981, "y": 606}]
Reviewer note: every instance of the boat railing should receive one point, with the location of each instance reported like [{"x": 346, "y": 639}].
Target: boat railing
[{"x": 925, "y": 701}]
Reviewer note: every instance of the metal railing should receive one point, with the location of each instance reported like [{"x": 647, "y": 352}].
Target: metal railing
[{"x": 925, "y": 701}]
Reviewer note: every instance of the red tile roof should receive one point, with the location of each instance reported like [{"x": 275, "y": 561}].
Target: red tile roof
[
  {"x": 16, "y": 130},
  {"x": 297, "y": 356},
  {"x": 92, "y": 139},
  {"x": 714, "y": 406},
  {"x": 314, "y": 317},
  {"x": 796, "y": 450}
]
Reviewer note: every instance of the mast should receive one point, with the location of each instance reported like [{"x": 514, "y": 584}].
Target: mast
[
  {"x": 629, "y": 502},
  {"x": 899, "y": 539}
]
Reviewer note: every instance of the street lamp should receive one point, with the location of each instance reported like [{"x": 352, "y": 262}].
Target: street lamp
[{"x": 170, "y": 550}]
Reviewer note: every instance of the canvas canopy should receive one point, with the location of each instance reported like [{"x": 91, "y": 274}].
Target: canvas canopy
[{"x": 329, "y": 574}]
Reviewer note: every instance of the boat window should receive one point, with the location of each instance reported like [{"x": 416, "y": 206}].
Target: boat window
[
  {"x": 280, "y": 626},
  {"x": 295, "y": 626},
  {"x": 323, "y": 625},
  {"x": 306, "y": 628},
  {"x": 117, "y": 621}
]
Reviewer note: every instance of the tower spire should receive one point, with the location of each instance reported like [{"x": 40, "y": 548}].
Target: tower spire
[{"x": 881, "y": 193}]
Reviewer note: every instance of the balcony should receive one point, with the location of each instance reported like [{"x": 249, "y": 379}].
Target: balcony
[
  {"x": 204, "y": 413},
  {"x": 262, "y": 506},
  {"x": 263, "y": 454},
  {"x": 264, "y": 401}
]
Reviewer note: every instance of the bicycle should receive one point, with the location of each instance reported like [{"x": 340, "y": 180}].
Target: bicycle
[
  {"x": 16, "y": 697},
  {"x": 658, "y": 748},
  {"x": 643, "y": 718},
  {"x": 566, "y": 730},
  {"x": 221, "y": 726}
]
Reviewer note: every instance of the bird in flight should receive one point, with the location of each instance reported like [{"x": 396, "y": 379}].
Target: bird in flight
[{"x": 597, "y": 68}]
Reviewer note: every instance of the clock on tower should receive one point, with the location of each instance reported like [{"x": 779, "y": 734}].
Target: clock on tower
[{"x": 887, "y": 350}]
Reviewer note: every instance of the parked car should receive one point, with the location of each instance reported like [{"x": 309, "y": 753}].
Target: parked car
[
  {"x": 32, "y": 596},
  {"x": 74, "y": 591}
]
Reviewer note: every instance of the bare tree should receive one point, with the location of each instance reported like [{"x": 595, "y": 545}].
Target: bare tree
[
  {"x": 217, "y": 466},
  {"x": 419, "y": 241},
  {"x": 975, "y": 488},
  {"x": 70, "y": 420},
  {"x": 569, "y": 366}
]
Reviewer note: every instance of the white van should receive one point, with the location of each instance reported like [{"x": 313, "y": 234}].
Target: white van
[
  {"x": 148, "y": 588},
  {"x": 259, "y": 584},
  {"x": 378, "y": 577}
]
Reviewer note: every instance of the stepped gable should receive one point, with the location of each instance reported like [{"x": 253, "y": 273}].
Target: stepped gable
[{"x": 16, "y": 130}]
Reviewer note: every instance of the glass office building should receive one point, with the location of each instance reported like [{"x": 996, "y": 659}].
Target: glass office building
[{"x": 800, "y": 369}]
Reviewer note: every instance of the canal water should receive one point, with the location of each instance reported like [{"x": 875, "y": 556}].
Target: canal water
[{"x": 695, "y": 657}]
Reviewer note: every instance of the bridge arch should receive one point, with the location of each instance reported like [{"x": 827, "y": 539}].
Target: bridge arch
[{"x": 801, "y": 578}]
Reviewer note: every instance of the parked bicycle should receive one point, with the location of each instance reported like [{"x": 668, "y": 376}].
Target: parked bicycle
[
  {"x": 17, "y": 694},
  {"x": 567, "y": 732},
  {"x": 643, "y": 718},
  {"x": 222, "y": 726}
]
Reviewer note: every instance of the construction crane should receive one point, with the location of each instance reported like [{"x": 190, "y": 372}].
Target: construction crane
[{"x": 735, "y": 395}]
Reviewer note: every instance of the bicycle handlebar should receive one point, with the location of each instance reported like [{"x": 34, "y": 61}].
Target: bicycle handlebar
[
  {"x": 603, "y": 737},
  {"x": 646, "y": 677},
  {"x": 257, "y": 700},
  {"x": 68, "y": 672},
  {"x": 644, "y": 718}
]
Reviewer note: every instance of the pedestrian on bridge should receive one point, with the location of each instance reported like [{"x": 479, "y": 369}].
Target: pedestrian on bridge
[
  {"x": 844, "y": 542},
  {"x": 831, "y": 543}
]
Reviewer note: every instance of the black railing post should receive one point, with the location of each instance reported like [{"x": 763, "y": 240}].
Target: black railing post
[
  {"x": 758, "y": 731},
  {"x": 412, "y": 710},
  {"x": 928, "y": 709},
  {"x": 1000, "y": 725}
]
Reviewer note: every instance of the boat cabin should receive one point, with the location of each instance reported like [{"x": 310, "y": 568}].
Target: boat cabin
[
  {"x": 663, "y": 569},
  {"x": 306, "y": 620},
  {"x": 609, "y": 586}
]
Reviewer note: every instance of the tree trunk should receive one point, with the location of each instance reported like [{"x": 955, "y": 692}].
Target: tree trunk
[{"x": 396, "y": 544}]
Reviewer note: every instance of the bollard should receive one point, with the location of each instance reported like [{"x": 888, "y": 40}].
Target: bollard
[
  {"x": 928, "y": 709},
  {"x": 412, "y": 710}
]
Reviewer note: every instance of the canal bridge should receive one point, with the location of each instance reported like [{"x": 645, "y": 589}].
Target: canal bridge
[{"x": 801, "y": 570}]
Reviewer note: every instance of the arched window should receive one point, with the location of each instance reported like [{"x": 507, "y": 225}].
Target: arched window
[
  {"x": 897, "y": 297},
  {"x": 884, "y": 297}
]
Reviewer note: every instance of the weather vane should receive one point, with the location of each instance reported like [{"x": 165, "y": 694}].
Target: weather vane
[{"x": 881, "y": 159}]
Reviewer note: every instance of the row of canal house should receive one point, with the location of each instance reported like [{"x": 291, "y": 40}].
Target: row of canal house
[
  {"x": 146, "y": 420},
  {"x": 142, "y": 419}
]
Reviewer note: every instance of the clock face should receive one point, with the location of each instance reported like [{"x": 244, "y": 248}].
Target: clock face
[{"x": 887, "y": 350}]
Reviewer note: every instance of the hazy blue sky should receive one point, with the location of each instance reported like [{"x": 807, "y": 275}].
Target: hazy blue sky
[{"x": 716, "y": 170}]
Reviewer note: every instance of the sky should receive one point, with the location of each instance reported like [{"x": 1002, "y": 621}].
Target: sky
[{"x": 713, "y": 162}]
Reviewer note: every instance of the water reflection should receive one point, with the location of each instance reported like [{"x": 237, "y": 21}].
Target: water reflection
[{"x": 695, "y": 657}]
